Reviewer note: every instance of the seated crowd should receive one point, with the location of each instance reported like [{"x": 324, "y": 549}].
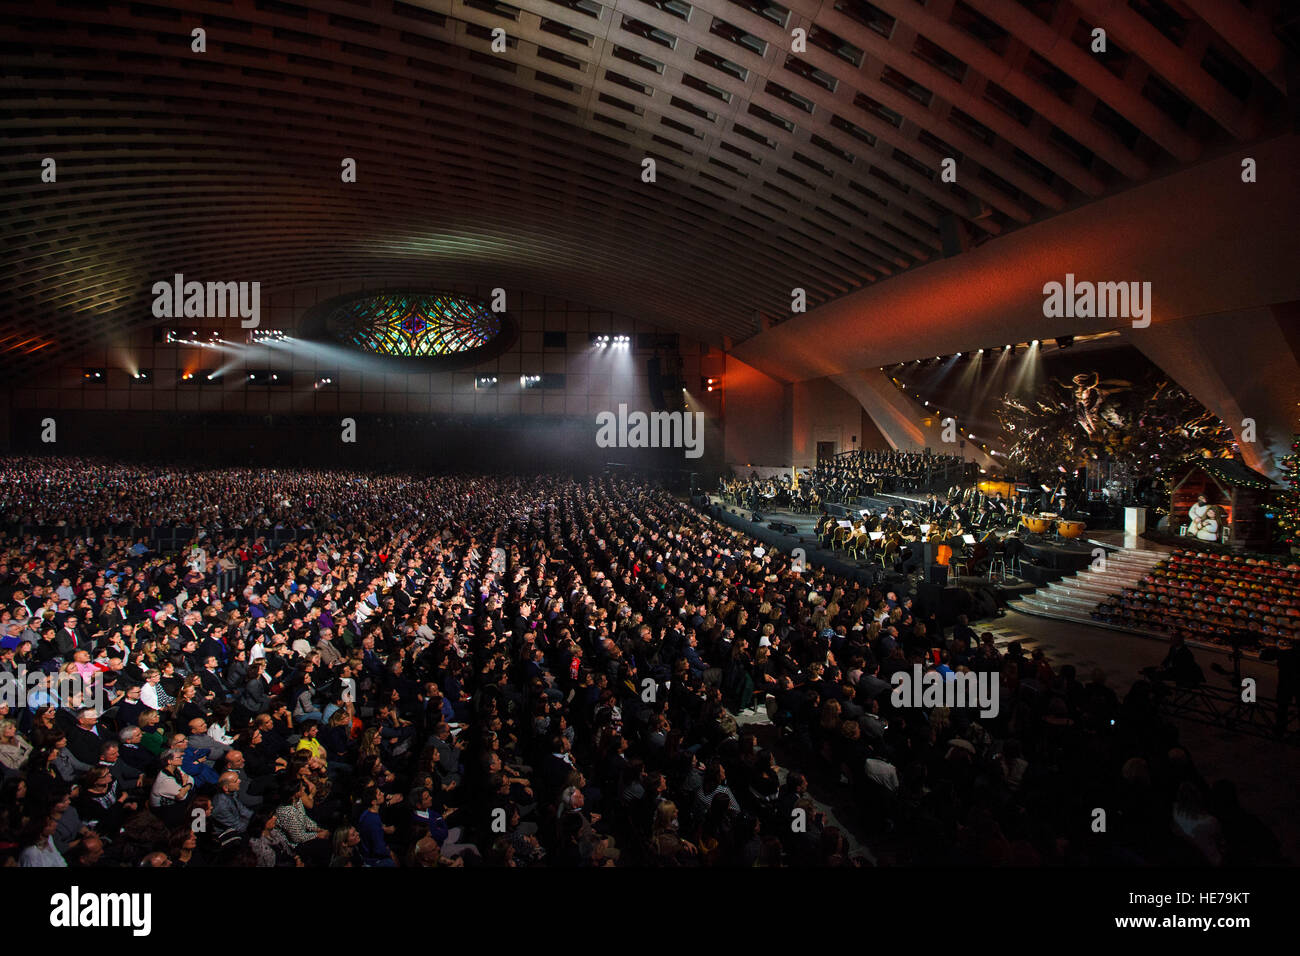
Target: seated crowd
[
  {"x": 509, "y": 671},
  {"x": 1212, "y": 596}
]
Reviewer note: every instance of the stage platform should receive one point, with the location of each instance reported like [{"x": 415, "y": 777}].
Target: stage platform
[
  {"x": 956, "y": 595},
  {"x": 1122, "y": 540}
]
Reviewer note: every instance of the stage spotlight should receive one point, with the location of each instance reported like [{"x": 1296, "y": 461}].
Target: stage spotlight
[
  {"x": 958, "y": 355},
  {"x": 1034, "y": 343},
  {"x": 485, "y": 381},
  {"x": 980, "y": 352},
  {"x": 1006, "y": 348},
  {"x": 261, "y": 336},
  {"x": 529, "y": 381},
  {"x": 143, "y": 375},
  {"x": 268, "y": 377},
  {"x": 95, "y": 375}
]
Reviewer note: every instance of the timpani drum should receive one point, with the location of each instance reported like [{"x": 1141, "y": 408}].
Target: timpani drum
[
  {"x": 1070, "y": 529},
  {"x": 1035, "y": 524}
]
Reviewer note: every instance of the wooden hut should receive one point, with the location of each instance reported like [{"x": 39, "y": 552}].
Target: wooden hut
[{"x": 1237, "y": 492}]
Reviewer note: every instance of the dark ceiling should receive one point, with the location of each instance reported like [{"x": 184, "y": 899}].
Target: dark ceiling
[{"x": 522, "y": 169}]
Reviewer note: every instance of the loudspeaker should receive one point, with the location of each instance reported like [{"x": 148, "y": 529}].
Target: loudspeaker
[
  {"x": 929, "y": 597},
  {"x": 654, "y": 383},
  {"x": 945, "y": 603},
  {"x": 985, "y": 602},
  {"x": 938, "y": 575}
]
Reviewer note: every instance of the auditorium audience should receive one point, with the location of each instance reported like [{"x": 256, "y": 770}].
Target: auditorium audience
[{"x": 342, "y": 669}]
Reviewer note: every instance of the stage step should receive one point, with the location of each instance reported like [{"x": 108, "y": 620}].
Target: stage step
[
  {"x": 1078, "y": 589},
  {"x": 1058, "y": 601},
  {"x": 1075, "y": 597},
  {"x": 1113, "y": 564}
]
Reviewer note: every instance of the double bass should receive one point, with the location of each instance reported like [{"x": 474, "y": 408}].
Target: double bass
[{"x": 983, "y": 548}]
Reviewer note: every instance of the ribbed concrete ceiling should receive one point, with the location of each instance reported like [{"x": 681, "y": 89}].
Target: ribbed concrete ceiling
[{"x": 523, "y": 168}]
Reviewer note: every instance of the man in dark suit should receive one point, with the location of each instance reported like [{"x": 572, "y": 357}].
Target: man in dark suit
[
  {"x": 250, "y": 790},
  {"x": 211, "y": 681},
  {"x": 133, "y": 755},
  {"x": 69, "y": 639},
  {"x": 84, "y": 739}
]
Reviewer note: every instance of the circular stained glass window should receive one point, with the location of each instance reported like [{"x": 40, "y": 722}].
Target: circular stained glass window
[{"x": 415, "y": 325}]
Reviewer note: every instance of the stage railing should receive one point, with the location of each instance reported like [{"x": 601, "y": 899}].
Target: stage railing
[{"x": 1223, "y": 707}]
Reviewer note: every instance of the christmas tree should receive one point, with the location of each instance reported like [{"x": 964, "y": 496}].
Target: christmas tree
[{"x": 1288, "y": 511}]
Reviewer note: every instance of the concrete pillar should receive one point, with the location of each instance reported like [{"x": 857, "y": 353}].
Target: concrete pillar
[
  {"x": 1241, "y": 365},
  {"x": 897, "y": 417}
]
